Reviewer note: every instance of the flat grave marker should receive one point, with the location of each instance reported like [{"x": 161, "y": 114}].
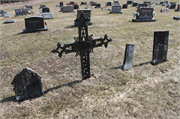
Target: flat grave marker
[
  {"x": 9, "y": 21},
  {"x": 47, "y": 15},
  {"x": 176, "y": 17},
  {"x": 6, "y": 15},
  {"x": 105, "y": 8},
  {"x": 160, "y": 47}
]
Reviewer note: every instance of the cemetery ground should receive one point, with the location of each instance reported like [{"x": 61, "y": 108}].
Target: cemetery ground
[{"x": 144, "y": 91}]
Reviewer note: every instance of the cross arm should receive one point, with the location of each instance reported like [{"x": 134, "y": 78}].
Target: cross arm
[
  {"x": 103, "y": 41},
  {"x": 67, "y": 48}
]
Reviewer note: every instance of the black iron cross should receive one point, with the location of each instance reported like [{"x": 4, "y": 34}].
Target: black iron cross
[{"x": 83, "y": 47}]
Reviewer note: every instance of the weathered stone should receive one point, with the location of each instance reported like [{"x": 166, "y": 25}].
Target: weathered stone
[
  {"x": 160, "y": 47},
  {"x": 27, "y": 84},
  {"x": 128, "y": 57},
  {"x": 164, "y": 10}
]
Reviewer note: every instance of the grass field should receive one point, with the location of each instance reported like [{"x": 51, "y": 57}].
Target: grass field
[{"x": 144, "y": 91}]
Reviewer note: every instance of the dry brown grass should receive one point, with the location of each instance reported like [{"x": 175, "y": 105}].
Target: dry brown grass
[{"x": 144, "y": 91}]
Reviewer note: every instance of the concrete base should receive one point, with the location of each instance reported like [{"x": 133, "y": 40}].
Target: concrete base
[
  {"x": 143, "y": 20},
  {"x": 34, "y": 30},
  {"x": 176, "y": 17}
]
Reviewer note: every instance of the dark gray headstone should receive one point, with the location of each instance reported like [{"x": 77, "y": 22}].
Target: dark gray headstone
[
  {"x": 33, "y": 24},
  {"x": 41, "y": 6},
  {"x": 176, "y": 17},
  {"x": 92, "y": 3},
  {"x": 125, "y": 5},
  {"x": 116, "y": 9},
  {"x": 47, "y": 15},
  {"x": 76, "y": 6},
  {"x": 108, "y": 4},
  {"x": 45, "y": 9},
  {"x": 146, "y": 15},
  {"x": 178, "y": 8},
  {"x": 9, "y": 21},
  {"x": 18, "y": 12},
  {"x": 135, "y": 4},
  {"x": 87, "y": 13},
  {"x": 27, "y": 84},
  {"x": 160, "y": 47},
  {"x": 128, "y": 57},
  {"x": 98, "y": 6},
  {"x": 164, "y": 10},
  {"x": 129, "y": 2},
  {"x": 61, "y": 4},
  {"x": 2, "y": 12},
  {"x": 173, "y": 6},
  {"x": 71, "y": 3},
  {"x": 161, "y": 3}
]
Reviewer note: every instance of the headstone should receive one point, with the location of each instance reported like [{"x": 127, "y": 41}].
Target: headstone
[
  {"x": 148, "y": 4},
  {"x": 160, "y": 47},
  {"x": 98, "y": 6},
  {"x": 60, "y": 4},
  {"x": 2, "y": 12},
  {"x": 18, "y": 12},
  {"x": 116, "y": 3},
  {"x": 144, "y": 5},
  {"x": 108, "y": 4},
  {"x": 164, "y": 10},
  {"x": 6, "y": 15},
  {"x": 47, "y": 15},
  {"x": 92, "y": 3},
  {"x": 71, "y": 3},
  {"x": 87, "y": 13},
  {"x": 128, "y": 57},
  {"x": 129, "y": 2},
  {"x": 125, "y": 5},
  {"x": 89, "y": 7},
  {"x": 105, "y": 8},
  {"x": 25, "y": 11},
  {"x": 135, "y": 4},
  {"x": 116, "y": 9},
  {"x": 68, "y": 8},
  {"x": 33, "y": 24},
  {"x": 145, "y": 15},
  {"x": 176, "y": 17},
  {"x": 161, "y": 3},
  {"x": 31, "y": 7},
  {"x": 9, "y": 21},
  {"x": 76, "y": 6},
  {"x": 41, "y": 6},
  {"x": 173, "y": 6},
  {"x": 57, "y": 5},
  {"x": 158, "y": 3},
  {"x": 27, "y": 84},
  {"x": 168, "y": 5},
  {"x": 45, "y": 9},
  {"x": 178, "y": 8}
]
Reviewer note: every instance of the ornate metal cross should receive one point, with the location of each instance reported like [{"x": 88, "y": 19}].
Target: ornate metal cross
[{"x": 83, "y": 47}]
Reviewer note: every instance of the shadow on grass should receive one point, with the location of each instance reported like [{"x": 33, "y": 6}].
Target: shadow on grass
[
  {"x": 145, "y": 63},
  {"x": 71, "y": 26},
  {"x": 27, "y": 32},
  {"x": 13, "y": 98}
]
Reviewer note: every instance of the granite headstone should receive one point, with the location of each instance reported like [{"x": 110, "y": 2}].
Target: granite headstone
[
  {"x": 164, "y": 10},
  {"x": 34, "y": 24},
  {"x": 160, "y": 47},
  {"x": 116, "y": 9}
]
